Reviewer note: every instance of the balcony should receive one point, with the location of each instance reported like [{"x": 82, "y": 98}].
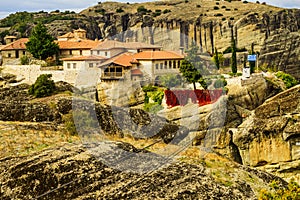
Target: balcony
[{"x": 112, "y": 75}]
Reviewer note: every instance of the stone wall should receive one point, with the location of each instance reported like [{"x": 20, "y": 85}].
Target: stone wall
[{"x": 29, "y": 73}]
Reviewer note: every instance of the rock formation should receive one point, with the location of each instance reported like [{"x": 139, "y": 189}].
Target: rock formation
[
  {"x": 271, "y": 134},
  {"x": 70, "y": 172}
]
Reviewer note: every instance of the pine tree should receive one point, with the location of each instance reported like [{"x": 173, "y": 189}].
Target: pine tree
[{"x": 41, "y": 44}]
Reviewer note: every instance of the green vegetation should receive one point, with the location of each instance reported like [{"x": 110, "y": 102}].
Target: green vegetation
[
  {"x": 43, "y": 86},
  {"x": 156, "y": 13},
  {"x": 41, "y": 44},
  {"x": 229, "y": 50},
  {"x": 170, "y": 80},
  {"x": 19, "y": 17},
  {"x": 142, "y": 10},
  {"x": 192, "y": 66},
  {"x": 218, "y": 59},
  {"x": 156, "y": 95},
  {"x": 166, "y": 11},
  {"x": 292, "y": 192},
  {"x": 119, "y": 10},
  {"x": 288, "y": 79},
  {"x": 220, "y": 83},
  {"x": 101, "y": 11},
  {"x": 24, "y": 60},
  {"x": 233, "y": 56}
]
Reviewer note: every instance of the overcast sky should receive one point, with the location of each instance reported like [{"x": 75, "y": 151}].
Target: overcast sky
[{"x": 12, "y": 6}]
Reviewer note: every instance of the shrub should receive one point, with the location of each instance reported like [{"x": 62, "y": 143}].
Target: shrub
[
  {"x": 24, "y": 60},
  {"x": 101, "y": 11},
  {"x": 43, "y": 86},
  {"x": 224, "y": 18},
  {"x": 228, "y": 9},
  {"x": 291, "y": 192},
  {"x": 198, "y": 6},
  {"x": 288, "y": 79},
  {"x": 220, "y": 83},
  {"x": 216, "y": 8},
  {"x": 218, "y": 15},
  {"x": 223, "y": 7},
  {"x": 141, "y": 9},
  {"x": 245, "y": 1},
  {"x": 217, "y": 3},
  {"x": 166, "y": 11},
  {"x": 257, "y": 2},
  {"x": 119, "y": 10}
]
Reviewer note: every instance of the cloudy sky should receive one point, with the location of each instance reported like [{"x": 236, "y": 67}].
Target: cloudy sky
[{"x": 12, "y": 6}]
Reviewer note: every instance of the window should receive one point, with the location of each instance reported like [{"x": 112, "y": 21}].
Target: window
[
  {"x": 170, "y": 64},
  {"x": 9, "y": 55},
  {"x": 98, "y": 52},
  {"x": 178, "y": 65},
  {"x": 156, "y": 66},
  {"x": 166, "y": 63},
  {"x": 91, "y": 65},
  {"x": 69, "y": 65},
  {"x": 105, "y": 53},
  {"x": 24, "y": 53},
  {"x": 80, "y": 52},
  {"x": 161, "y": 65},
  {"x": 70, "y": 52},
  {"x": 74, "y": 65},
  {"x": 174, "y": 64}
]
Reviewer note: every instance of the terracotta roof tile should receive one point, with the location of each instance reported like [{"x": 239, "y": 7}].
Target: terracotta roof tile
[
  {"x": 125, "y": 59},
  {"x": 157, "y": 55},
  {"x": 18, "y": 44},
  {"x": 136, "y": 72},
  {"x": 77, "y": 44}
]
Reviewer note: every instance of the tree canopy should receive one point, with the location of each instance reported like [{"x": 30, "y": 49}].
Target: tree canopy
[
  {"x": 192, "y": 66},
  {"x": 43, "y": 86},
  {"x": 41, "y": 44}
]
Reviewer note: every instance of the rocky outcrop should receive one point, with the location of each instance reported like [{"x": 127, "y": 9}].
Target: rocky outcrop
[
  {"x": 271, "y": 134},
  {"x": 70, "y": 172},
  {"x": 280, "y": 52}
]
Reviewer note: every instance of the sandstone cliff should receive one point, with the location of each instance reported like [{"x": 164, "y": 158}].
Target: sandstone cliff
[{"x": 270, "y": 136}]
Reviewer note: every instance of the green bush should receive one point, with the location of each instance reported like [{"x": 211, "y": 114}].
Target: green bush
[
  {"x": 216, "y": 8},
  {"x": 220, "y": 83},
  {"x": 152, "y": 107},
  {"x": 288, "y": 79},
  {"x": 292, "y": 192},
  {"x": 24, "y": 60},
  {"x": 119, "y": 10},
  {"x": 166, "y": 11},
  {"x": 43, "y": 86}
]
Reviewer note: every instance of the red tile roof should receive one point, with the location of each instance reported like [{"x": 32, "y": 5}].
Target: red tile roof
[
  {"x": 77, "y": 44},
  {"x": 18, "y": 44},
  {"x": 136, "y": 72},
  {"x": 84, "y": 58},
  {"x": 125, "y": 59},
  {"x": 158, "y": 55}
]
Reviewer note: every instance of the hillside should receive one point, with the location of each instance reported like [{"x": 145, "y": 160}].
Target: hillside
[{"x": 172, "y": 24}]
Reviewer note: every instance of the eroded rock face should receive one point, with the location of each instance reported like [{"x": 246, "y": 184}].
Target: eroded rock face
[
  {"x": 272, "y": 134},
  {"x": 70, "y": 172}
]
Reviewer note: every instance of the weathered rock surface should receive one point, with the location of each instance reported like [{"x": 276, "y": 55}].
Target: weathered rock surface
[
  {"x": 272, "y": 134},
  {"x": 70, "y": 172}
]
